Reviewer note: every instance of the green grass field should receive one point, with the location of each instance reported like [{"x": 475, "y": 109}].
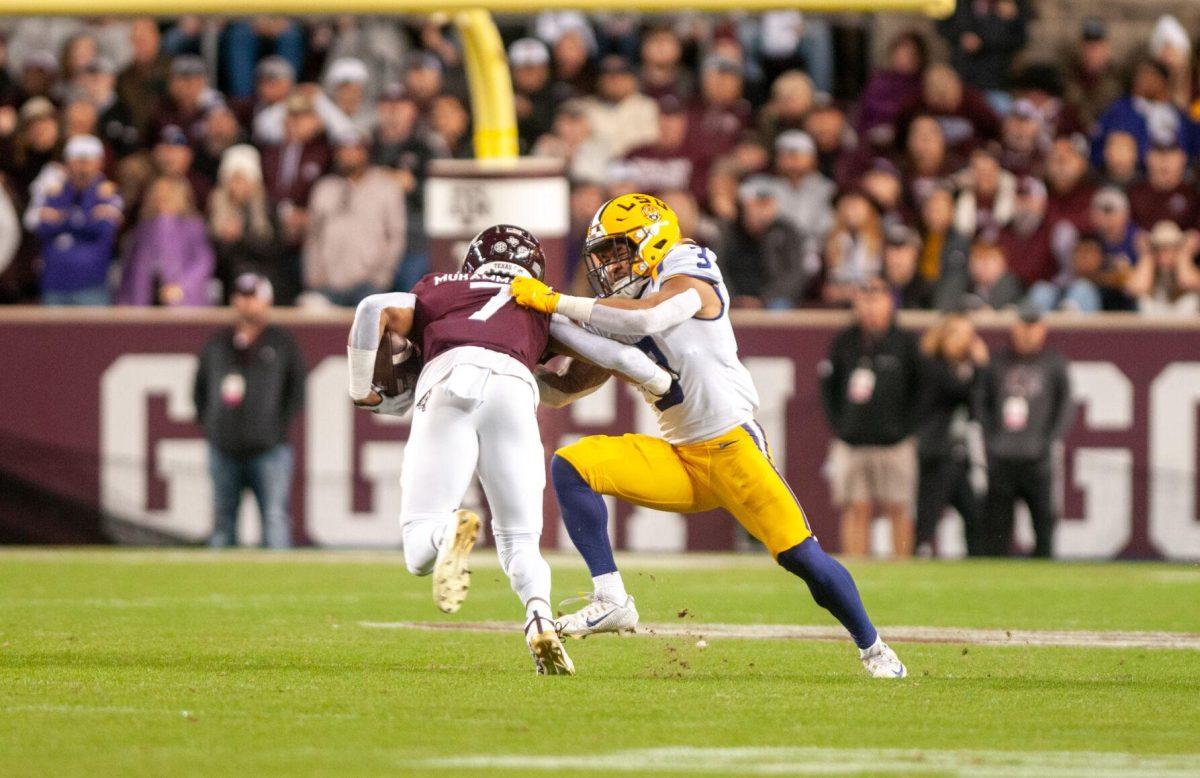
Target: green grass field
[{"x": 188, "y": 662}]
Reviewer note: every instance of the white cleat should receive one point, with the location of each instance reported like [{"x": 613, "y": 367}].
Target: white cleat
[
  {"x": 881, "y": 661},
  {"x": 600, "y": 615},
  {"x": 451, "y": 575},
  {"x": 549, "y": 656}
]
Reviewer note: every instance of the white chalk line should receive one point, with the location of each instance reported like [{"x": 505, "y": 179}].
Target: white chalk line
[
  {"x": 837, "y": 761},
  {"x": 979, "y": 637}
]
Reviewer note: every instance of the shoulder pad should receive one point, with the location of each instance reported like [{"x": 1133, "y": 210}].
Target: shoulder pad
[{"x": 690, "y": 259}]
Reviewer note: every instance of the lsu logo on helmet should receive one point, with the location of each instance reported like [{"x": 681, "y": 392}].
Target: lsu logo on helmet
[{"x": 627, "y": 241}]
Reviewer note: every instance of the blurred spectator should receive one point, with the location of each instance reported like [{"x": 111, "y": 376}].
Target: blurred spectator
[
  {"x": 883, "y": 184},
  {"x": 174, "y": 157},
  {"x": 831, "y": 131},
  {"x": 1166, "y": 279},
  {"x": 987, "y": 198},
  {"x": 76, "y": 227},
  {"x": 763, "y": 255},
  {"x": 805, "y": 196},
  {"x": 669, "y": 162},
  {"x": 115, "y": 122},
  {"x": 572, "y": 55},
  {"x": 142, "y": 83},
  {"x": 1024, "y": 140},
  {"x": 890, "y": 87},
  {"x": 571, "y": 141},
  {"x": 1145, "y": 113},
  {"x": 242, "y": 231},
  {"x": 39, "y": 72},
  {"x": 1025, "y": 407},
  {"x": 926, "y": 164},
  {"x": 168, "y": 260},
  {"x": 854, "y": 250},
  {"x": 965, "y": 118},
  {"x": 10, "y": 231},
  {"x": 901, "y": 252},
  {"x": 1071, "y": 189},
  {"x": 423, "y": 79},
  {"x": 792, "y": 99},
  {"x": 356, "y": 228},
  {"x": 1025, "y": 240},
  {"x": 187, "y": 99},
  {"x": 246, "y": 41},
  {"x": 221, "y": 132},
  {"x": 987, "y": 283},
  {"x": 954, "y": 356},
  {"x": 1093, "y": 79},
  {"x": 346, "y": 84},
  {"x": 662, "y": 71},
  {"x": 1166, "y": 193},
  {"x": 984, "y": 38},
  {"x": 291, "y": 167},
  {"x": 716, "y": 120},
  {"x": 34, "y": 145},
  {"x": 1171, "y": 45},
  {"x": 1120, "y": 160},
  {"x": 249, "y": 388},
  {"x": 405, "y": 147},
  {"x": 1073, "y": 288},
  {"x": 533, "y": 92},
  {"x": 619, "y": 115},
  {"x": 1119, "y": 240},
  {"x": 273, "y": 82},
  {"x": 451, "y": 125},
  {"x": 944, "y": 250},
  {"x": 785, "y": 39},
  {"x": 870, "y": 385}
]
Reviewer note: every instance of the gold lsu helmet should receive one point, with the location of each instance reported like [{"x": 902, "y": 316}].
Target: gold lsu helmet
[{"x": 627, "y": 241}]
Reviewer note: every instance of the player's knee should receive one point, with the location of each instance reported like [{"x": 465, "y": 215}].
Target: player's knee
[
  {"x": 564, "y": 474},
  {"x": 419, "y": 563},
  {"x": 803, "y": 559},
  {"x": 517, "y": 549}
]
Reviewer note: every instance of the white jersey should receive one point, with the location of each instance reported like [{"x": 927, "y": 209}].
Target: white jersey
[{"x": 717, "y": 391}]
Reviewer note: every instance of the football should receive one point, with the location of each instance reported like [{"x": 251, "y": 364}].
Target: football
[{"x": 397, "y": 364}]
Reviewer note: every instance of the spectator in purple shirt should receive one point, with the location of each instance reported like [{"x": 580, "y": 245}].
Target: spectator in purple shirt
[{"x": 170, "y": 261}]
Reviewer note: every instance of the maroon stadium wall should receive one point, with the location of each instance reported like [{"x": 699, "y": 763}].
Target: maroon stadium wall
[{"x": 98, "y": 444}]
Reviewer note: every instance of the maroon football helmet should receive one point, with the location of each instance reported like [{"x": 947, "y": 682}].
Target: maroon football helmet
[{"x": 503, "y": 245}]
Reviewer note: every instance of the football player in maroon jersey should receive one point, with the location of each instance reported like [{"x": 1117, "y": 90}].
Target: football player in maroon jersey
[{"x": 475, "y": 408}]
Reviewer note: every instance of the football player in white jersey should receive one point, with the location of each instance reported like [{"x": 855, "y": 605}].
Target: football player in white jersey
[{"x": 666, "y": 295}]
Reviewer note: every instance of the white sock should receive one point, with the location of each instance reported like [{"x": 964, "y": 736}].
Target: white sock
[
  {"x": 522, "y": 562},
  {"x": 610, "y": 587},
  {"x": 422, "y": 537},
  {"x": 539, "y": 607}
]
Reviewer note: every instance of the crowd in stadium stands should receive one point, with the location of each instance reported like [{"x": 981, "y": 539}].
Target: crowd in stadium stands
[{"x": 149, "y": 162}]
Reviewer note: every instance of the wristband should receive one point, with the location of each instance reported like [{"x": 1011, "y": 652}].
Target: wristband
[{"x": 576, "y": 308}]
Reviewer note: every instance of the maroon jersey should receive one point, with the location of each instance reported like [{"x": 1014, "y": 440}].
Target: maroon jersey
[{"x": 454, "y": 309}]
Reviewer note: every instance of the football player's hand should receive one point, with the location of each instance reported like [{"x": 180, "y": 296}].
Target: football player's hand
[{"x": 532, "y": 293}]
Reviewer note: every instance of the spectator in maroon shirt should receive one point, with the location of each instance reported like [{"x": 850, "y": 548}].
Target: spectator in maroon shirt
[
  {"x": 662, "y": 72},
  {"x": 274, "y": 79},
  {"x": 188, "y": 98},
  {"x": 1026, "y": 239},
  {"x": 717, "y": 118},
  {"x": 1165, "y": 195},
  {"x": 963, "y": 112},
  {"x": 986, "y": 200},
  {"x": 670, "y": 163},
  {"x": 1071, "y": 191},
  {"x": 1024, "y": 140},
  {"x": 291, "y": 168}
]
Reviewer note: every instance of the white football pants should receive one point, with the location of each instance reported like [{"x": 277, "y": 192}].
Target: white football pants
[{"x": 476, "y": 417}]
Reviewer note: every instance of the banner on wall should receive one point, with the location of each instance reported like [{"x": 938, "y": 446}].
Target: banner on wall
[{"x": 98, "y": 442}]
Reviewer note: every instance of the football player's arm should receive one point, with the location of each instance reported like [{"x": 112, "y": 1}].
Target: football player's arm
[
  {"x": 679, "y": 299},
  {"x": 616, "y": 357},
  {"x": 392, "y": 312},
  {"x": 578, "y": 379}
]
